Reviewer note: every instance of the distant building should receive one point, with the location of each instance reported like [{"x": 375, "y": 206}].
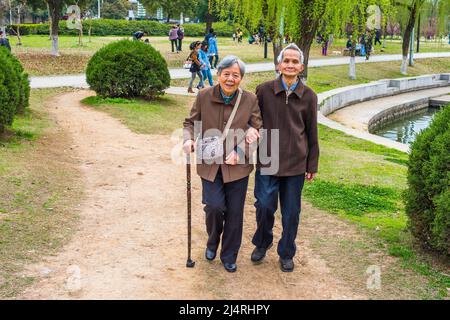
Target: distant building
[{"x": 138, "y": 11}]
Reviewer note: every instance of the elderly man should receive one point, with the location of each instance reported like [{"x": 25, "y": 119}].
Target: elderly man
[
  {"x": 224, "y": 108},
  {"x": 289, "y": 106}
]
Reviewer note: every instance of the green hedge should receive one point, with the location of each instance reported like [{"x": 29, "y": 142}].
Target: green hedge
[
  {"x": 128, "y": 69},
  {"x": 109, "y": 27},
  {"x": 428, "y": 194},
  {"x": 14, "y": 88}
]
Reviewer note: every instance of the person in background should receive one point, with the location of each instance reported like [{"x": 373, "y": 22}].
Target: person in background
[
  {"x": 251, "y": 39},
  {"x": 377, "y": 36},
  {"x": 180, "y": 34},
  {"x": 240, "y": 34},
  {"x": 324, "y": 45},
  {"x": 196, "y": 66},
  {"x": 173, "y": 37},
  {"x": 139, "y": 34},
  {"x": 206, "y": 70},
  {"x": 349, "y": 43},
  {"x": 4, "y": 42},
  {"x": 213, "y": 51},
  {"x": 368, "y": 44},
  {"x": 209, "y": 35}
]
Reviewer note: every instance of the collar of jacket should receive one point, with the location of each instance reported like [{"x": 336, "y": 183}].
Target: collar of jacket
[
  {"x": 278, "y": 87},
  {"x": 217, "y": 97}
]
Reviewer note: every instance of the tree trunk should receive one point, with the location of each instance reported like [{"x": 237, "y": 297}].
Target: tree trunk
[
  {"x": 55, "y": 9},
  {"x": 209, "y": 18},
  {"x": 352, "y": 64},
  {"x": 407, "y": 34},
  {"x": 418, "y": 34},
  {"x": 352, "y": 68},
  {"x": 49, "y": 23},
  {"x": 277, "y": 46},
  {"x": 308, "y": 27}
]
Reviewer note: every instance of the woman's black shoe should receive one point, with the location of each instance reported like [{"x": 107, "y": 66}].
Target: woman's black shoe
[{"x": 210, "y": 254}]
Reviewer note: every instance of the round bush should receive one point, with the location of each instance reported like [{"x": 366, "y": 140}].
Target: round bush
[
  {"x": 24, "y": 84},
  {"x": 128, "y": 69},
  {"x": 428, "y": 194},
  {"x": 11, "y": 93}
]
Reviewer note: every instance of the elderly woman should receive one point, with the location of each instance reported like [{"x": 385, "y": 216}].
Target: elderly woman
[{"x": 225, "y": 109}]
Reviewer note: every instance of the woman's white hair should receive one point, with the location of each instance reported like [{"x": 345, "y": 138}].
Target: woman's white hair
[
  {"x": 228, "y": 61},
  {"x": 290, "y": 46}
]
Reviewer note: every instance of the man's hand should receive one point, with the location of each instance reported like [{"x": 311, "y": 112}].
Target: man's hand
[
  {"x": 252, "y": 135},
  {"x": 310, "y": 176},
  {"x": 232, "y": 158},
  {"x": 189, "y": 146}
]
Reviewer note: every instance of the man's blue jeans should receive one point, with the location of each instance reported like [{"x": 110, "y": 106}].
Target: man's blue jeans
[{"x": 267, "y": 189}]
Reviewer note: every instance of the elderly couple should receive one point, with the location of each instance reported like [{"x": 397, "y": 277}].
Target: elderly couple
[{"x": 286, "y": 110}]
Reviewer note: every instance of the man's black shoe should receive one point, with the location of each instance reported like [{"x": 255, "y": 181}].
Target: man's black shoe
[
  {"x": 286, "y": 265},
  {"x": 258, "y": 254},
  {"x": 210, "y": 254},
  {"x": 230, "y": 267}
]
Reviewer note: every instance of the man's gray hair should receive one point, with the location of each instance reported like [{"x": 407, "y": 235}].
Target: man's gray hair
[
  {"x": 291, "y": 46},
  {"x": 229, "y": 61}
]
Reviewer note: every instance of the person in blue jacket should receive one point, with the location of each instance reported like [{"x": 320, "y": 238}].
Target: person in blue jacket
[
  {"x": 213, "y": 51},
  {"x": 203, "y": 57}
]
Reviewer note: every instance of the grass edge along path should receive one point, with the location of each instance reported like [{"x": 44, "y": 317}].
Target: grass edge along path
[{"x": 38, "y": 193}]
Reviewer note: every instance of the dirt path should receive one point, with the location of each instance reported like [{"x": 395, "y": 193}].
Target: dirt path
[{"x": 131, "y": 239}]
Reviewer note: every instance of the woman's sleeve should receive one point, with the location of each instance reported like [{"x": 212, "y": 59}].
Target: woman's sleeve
[{"x": 189, "y": 123}]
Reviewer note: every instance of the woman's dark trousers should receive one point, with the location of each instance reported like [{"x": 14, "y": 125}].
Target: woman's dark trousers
[{"x": 224, "y": 207}]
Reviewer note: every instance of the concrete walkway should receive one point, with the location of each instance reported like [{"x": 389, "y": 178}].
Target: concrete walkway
[
  {"x": 79, "y": 81},
  {"x": 359, "y": 116}
]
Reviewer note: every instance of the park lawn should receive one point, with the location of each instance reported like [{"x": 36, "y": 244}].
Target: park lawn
[
  {"x": 38, "y": 191},
  {"x": 359, "y": 181},
  {"x": 160, "y": 116},
  {"x": 34, "y": 53}
]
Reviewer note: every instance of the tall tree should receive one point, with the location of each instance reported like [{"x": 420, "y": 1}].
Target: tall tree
[
  {"x": 115, "y": 9},
  {"x": 171, "y": 8},
  {"x": 299, "y": 19},
  {"x": 355, "y": 18},
  {"x": 411, "y": 7}
]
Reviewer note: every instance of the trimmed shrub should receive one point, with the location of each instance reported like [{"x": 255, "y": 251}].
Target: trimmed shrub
[
  {"x": 14, "y": 88},
  {"x": 109, "y": 27},
  {"x": 428, "y": 195},
  {"x": 128, "y": 69},
  {"x": 24, "y": 84}
]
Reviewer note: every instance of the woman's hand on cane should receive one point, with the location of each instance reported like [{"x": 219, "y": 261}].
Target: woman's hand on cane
[{"x": 189, "y": 146}]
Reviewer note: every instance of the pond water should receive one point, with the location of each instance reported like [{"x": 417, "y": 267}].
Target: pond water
[{"x": 406, "y": 128}]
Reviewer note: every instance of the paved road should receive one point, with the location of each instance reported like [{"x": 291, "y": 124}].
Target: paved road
[{"x": 79, "y": 81}]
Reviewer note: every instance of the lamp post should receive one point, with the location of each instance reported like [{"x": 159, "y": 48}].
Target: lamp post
[{"x": 98, "y": 13}]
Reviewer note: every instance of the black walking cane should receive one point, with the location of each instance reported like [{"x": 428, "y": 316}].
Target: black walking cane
[{"x": 189, "y": 262}]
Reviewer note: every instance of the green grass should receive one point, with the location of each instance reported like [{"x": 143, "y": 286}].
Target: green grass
[
  {"x": 37, "y": 192},
  {"x": 363, "y": 183},
  {"x": 161, "y": 116}
]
